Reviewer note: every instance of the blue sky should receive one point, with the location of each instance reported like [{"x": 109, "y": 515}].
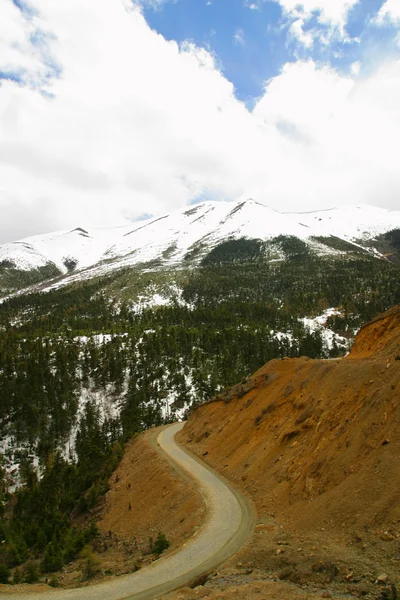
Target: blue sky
[
  {"x": 251, "y": 41},
  {"x": 115, "y": 109},
  {"x": 246, "y": 51}
]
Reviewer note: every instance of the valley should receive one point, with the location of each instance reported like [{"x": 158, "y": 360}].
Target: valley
[{"x": 133, "y": 333}]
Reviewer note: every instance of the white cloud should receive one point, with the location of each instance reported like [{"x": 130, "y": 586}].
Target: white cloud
[
  {"x": 390, "y": 11},
  {"x": 140, "y": 125},
  {"x": 18, "y": 56},
  {"x": 251, "y": 5},
  {"x": 347, "y": 133},
  {"x": 331, "y": 16},
  {"x": 355, "y": 67},
  {"x": 154, "y": 4},
  {"x": 238, "y": 37},
  {"x": 305, "y": 38}
]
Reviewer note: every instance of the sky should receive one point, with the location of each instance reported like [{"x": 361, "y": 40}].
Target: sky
[{"x": 113, "y": 110}]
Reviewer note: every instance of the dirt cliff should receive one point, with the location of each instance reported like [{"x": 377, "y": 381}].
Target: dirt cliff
[{"x": 316, "y": 445}]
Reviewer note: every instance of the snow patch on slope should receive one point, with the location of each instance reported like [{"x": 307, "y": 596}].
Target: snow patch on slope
[
  {"x": 361, "y": 222},
  {"x": 329, "y": 337}
]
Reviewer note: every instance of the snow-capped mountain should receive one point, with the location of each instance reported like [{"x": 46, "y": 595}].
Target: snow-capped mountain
[
  {"x": 86, "y": 246},
  {"x": 170, "y": 238},
  {"x": 354, "y": 223}
]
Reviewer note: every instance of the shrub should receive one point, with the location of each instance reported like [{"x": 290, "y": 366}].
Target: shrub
[
  {"x": 90, "y": 563},
  {"x": 160, "y": 544},
  {"x": 4, "y": 573},
  {"x": 52, "y": 561},
  {"x": 31, "y": 574},
  {"x": 17, "y": 576}
]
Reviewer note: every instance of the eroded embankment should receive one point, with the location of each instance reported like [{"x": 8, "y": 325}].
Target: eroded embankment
[
  {"x": 148, "y": 496},
  {"x": 316, "y": 444}
]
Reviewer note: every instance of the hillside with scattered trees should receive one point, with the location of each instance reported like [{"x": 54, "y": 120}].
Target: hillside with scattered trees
[{"x": 83, "y": 368}]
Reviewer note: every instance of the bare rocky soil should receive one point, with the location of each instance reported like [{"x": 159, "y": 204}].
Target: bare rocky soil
[{"x": 316, "y": 445}]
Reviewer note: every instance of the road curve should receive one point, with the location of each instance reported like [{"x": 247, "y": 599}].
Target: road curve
[{"x": 230, "y": 520}]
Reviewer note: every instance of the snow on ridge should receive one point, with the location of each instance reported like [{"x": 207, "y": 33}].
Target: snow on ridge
[
  {"x": 351, "y": 222},
  {"x": 86, "y": 246},
  {"x": 169, "y": 237}
]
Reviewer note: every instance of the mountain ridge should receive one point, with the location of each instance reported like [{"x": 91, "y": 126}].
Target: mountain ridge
[{"x": 186, "y": 235}]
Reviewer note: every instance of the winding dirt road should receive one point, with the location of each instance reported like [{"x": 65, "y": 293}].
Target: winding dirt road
[{"x": 230, "y": 520}]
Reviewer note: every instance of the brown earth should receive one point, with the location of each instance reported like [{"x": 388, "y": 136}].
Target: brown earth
[
  {"x": 316, "y": 445},
  {"x": 146, "y": 497}
]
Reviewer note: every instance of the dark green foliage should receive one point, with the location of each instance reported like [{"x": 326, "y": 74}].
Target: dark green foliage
[
  {"x": 194, "y": 252},
  {"x": 30, "y": 572},
  {"x": 6, "y": 264},
  {"x": 389, "y": 245},
  {"x": 338, "y": 244},
  {"x": 90, "y": 563},
  {"x": 4, "y": 573},
  {"x": 293, "y": 247},
  {"x": 12, "y": 278},
  {"x": 41, "y": 522},
  {"x": 70, "y": 263},
  {"x": 52, "y": 560},
  {"x": 243, "y": 250},
  {"x": 17, "y": 576},
  {"x": 393, "y": 237},
  {"x": 160, "y": 544}
]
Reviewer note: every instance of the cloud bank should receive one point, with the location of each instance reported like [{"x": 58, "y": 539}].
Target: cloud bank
[
  {"x": 103, "y": 120},
  {"x": 389, "y": 12},
  {"x": 330, "y": 19}
]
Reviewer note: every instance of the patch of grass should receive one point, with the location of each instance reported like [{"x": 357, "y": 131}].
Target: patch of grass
[
  {"x": 290, "y": 574},
  {"x": 329, "y": 568}
]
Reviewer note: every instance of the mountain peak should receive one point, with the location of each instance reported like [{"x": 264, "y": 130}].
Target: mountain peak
[{"x": 192, "y": 231}]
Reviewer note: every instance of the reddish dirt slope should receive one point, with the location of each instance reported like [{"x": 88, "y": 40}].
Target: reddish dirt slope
[
  {"x": 380, "y": 337},
  {"x": 316, "y": 444}
]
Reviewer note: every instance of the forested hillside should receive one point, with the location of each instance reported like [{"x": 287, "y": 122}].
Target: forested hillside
[{"x": 85, "y": 367}]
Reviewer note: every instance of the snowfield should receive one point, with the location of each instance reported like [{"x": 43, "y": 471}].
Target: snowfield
[
  {"x": 352, "y": 223},
  {"x": 191, "y": 231}
]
